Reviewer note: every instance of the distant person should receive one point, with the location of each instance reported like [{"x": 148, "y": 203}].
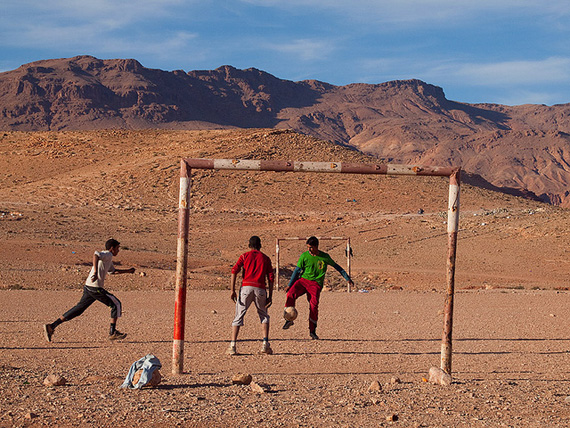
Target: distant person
[
  {"x": 256, "y": 270},
  {"x": 93, "y": 290},
  {"x": 308, "y": 277}
]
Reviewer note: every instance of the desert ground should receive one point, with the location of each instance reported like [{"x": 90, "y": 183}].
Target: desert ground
[{"x": 62, "y": 194}]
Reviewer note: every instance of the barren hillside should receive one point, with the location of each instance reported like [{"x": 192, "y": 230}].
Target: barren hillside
[
  {"x": 64, "y": 193},
  {"x": 521, "y": 149}
]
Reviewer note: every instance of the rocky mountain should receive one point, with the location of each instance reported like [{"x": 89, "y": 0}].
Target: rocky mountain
[{"x": 517, "y": 149}]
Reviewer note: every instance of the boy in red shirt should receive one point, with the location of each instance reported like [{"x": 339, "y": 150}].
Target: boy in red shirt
[{"x": 256, "y": 269}]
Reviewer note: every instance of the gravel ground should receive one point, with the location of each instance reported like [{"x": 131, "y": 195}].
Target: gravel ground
[{"x": 510, "y": 362}]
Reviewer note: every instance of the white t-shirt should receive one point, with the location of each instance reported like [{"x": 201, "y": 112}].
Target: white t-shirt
[{"x": 105, "y": 265}]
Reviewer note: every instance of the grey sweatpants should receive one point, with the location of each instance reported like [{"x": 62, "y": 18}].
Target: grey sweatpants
[{"x": 247, "y": 295}]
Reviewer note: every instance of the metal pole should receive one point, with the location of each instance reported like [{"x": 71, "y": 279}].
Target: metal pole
[
  {"x": 452, "y": 228},
  {"x": 277, "y": 263},
  {"x": 181, "y": 269},
  {"x": 348, "y": 260}
]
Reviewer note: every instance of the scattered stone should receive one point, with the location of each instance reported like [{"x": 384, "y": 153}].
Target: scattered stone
[
  {"x": 214, "y": 311},
  {"x": 142, "y": 274},
  {"x": 375, "y": 387},
  {"x": 54, "y": 380},
  {"x": 255, "y": 387},
  {"x": 154, "y": 380},
  {"x": 30, "y": 415},
  {"x": 567, "y": 399},
  {"x": 392, "y": 418},
  {"x": 241, "y": 379},
  {"x": 394, "y": 380},
  {"x": 438, "y": 376}
]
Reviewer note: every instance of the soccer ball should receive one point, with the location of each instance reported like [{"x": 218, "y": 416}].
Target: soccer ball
[{"x": 290, "y": 313}]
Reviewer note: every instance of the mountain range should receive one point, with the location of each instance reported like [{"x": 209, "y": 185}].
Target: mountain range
[{"x": 522, "y": 150}]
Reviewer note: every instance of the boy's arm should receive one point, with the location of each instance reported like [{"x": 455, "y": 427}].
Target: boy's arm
[
  {"x": 233, "y": 285},
  {"x": 296, "y": 273},
  {"x": 270, "y": 281},
  {"x": 343, "y": 273},
  {"x": 95, "y": 267}
]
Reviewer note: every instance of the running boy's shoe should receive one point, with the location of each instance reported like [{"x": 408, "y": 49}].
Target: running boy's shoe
[
  {"x": 231, "y": 350},
  {"x": 314, "y": 335},
  {"x": 266, "y": 349},
  {"x": 48, "y": 332},
  {"x": 287, "y": 325},
  {"x": 117, "y": 335}
]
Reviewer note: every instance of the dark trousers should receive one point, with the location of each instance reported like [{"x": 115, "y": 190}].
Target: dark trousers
[{"x": 90, "y": 294}]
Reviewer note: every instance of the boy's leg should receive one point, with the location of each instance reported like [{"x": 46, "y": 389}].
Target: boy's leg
[
  {"x": 314, "y": 294},
  {"x": 245, "y": 297},
  {"x": 296, "y": 291},
  {"x": 260, "y": 304},
  {"x": 85, "y": 301},
  {"x": 235, "y": 332},
  {"x": 110, "y": 300}
]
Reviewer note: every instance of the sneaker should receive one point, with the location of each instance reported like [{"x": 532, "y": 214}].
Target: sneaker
[
  {"x": 117, "y": 335},
  {"x": 48, "y": 332},
  {"x": 266, "y": 349},
  {"x": 287, "y": 325},
  {"x": 313, "y": 335},
  {"x": 231, "y": 350}
]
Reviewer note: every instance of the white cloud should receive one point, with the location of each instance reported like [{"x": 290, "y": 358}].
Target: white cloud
[
  {"x": 159, "y": 48},
  {"x": 303, "y": 49},
  {"x": 420, "y": 12},
  {"x": 510, "y": 73}
]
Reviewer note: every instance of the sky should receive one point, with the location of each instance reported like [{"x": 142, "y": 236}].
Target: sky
[{"x": 496, "y": 51}]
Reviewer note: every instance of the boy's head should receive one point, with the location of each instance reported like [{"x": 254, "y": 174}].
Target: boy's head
[
  {"x": 255, "y": 243},
  {"x": 313, "y": 242},
  {"x": 112, "y": 244},
  {"x": 313, "y": 245}
]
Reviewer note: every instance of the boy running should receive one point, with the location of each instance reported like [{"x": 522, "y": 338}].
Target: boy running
[
  {"x": 311, "y": 268},
  {"x": 256, "y": 269},
  {"x": 93, "y": 290}
]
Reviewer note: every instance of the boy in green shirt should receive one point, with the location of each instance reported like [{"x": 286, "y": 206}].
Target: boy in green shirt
[{"x": 308, "y": 278}]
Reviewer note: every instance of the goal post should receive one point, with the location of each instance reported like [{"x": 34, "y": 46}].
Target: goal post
[
  {"x": 348, "y": 251},
  {"x": 186, "y": 166}
]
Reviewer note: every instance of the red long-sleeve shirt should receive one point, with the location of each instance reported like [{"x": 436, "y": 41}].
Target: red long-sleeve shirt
[{"x": 256, "y": 267}]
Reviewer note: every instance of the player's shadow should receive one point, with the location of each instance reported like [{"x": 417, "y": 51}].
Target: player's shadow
[
  {"x": 512, "y": 339},
  {"x": 46, "y": 348}
]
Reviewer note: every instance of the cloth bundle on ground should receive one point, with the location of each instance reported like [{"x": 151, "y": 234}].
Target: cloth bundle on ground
[{"x": 148, "y": 364}]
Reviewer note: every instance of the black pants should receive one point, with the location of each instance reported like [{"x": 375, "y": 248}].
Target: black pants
[{"x": 90, "y": 294}]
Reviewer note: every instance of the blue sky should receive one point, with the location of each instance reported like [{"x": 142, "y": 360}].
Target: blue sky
[{"x": 501, "y": 51}]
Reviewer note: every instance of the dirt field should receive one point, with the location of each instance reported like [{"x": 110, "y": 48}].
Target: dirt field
[
  {"x": 510, "y": 362},
  {"x": 63, "y": 194}
]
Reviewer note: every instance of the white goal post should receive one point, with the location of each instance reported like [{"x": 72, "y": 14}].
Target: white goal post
[
  {"x": 186, "y": 166},
  {"x": 348, "y": 251}
]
